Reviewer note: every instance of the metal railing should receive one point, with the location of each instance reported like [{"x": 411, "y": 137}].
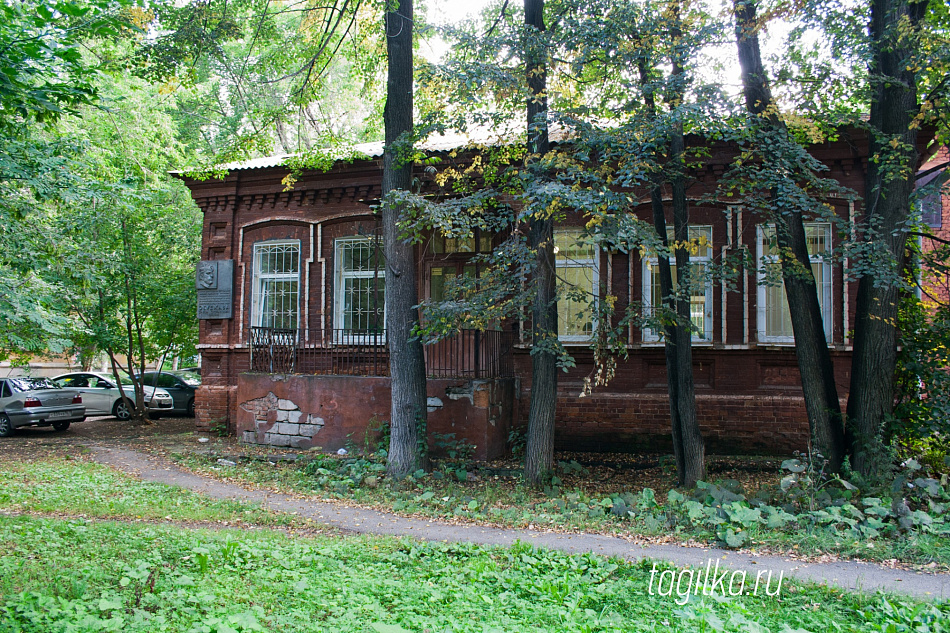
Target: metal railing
[
  {"x": 472, "y": 354},
  {"x": 469, "y": 354}
]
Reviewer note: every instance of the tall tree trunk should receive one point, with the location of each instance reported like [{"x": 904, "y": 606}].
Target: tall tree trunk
[
  {"x": 887, "y": 194},
  {"x": 693, "y": 449},
  {"x": 539, "y": 451},
  {"x": 407, "y": 445},
  {"x": 688, "y": 447},
  {"x": 691, "y": 439},
  {"x": 811, "y": 346},
  {"x": 669, "y": 346}
]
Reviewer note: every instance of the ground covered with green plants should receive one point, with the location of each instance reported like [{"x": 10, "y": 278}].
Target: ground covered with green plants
[
  {"x": 60, "y": 484},
  {"x": 123, "y": 574},
  {"x": 786, "y": 506}
]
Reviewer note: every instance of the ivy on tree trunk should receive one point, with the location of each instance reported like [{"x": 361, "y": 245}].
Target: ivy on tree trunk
[{"x": 889, "y": 185}]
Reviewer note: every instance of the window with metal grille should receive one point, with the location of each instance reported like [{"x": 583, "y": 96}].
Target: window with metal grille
[
  {"x": 700, "y": 285},
  {"x": 774, "y": 319},
  {"x": 360, "y": 306},
  {"x": 275, "y": 301},
  {"x": 578, "y": 269}
]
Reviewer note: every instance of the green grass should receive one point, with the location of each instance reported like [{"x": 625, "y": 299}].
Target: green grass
[
  {"x": 59, "y": 485},
  {"x": 58, "y": 576},
  {"x": 508, "y": 503},
  {"x": 76, "y": 575}
]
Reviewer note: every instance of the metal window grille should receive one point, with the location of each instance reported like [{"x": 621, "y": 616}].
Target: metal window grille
[
  {"x": 276, "y": 285},
  {"x": 360, "y": 288}
]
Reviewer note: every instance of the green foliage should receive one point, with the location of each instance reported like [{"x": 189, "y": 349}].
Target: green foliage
[
  {"x": 43, "y": 72},
  {"x": 459, "y": 450},
  {"x": 517, "y": 441},
  {"x": 377, "y": 435},
  {"x": 73, "y": 574},
  {"x": 74, "y": 487},
  {"x": 339, "y": 475},
  {"x": 218, "y": 428},
  {"x": 99, "y": 244},
  {"x": 43, "y": 76},
  {"x": 814, "y": 510},
  {"x": 140, "y": 578},
  {"x": 118, "y": 252},
  {"x": 257, "y": 78},
  {"x": 922, "y": 381}
]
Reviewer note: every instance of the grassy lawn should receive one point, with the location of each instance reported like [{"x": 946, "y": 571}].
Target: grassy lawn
[
  {"x": 580, "y": 502},
  {"x": 60, "y": 485},
  {"x": 82, "y": 575}
]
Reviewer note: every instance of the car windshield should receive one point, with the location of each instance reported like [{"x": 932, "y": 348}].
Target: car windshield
[
  {"x": 191, "y": 379},
  {"x": 31, "y": 384},
  {"x": 124, "y": 377}
]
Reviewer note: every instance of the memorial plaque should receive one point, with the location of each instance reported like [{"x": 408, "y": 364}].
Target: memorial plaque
[{"x": 214, "y": 283}]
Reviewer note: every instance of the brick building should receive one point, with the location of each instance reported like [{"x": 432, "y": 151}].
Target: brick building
[
  {"x": 301, "y": 360},
  {"x": 934, "y": 181}
]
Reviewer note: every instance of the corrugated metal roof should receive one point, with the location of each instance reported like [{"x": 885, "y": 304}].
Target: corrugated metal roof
[{"x": 441, "y": 143}]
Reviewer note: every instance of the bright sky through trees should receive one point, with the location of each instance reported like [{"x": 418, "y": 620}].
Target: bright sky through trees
[{"x": 720, "y": 64}]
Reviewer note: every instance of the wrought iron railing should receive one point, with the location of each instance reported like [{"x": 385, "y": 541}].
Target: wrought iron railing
[{"x": 469, "y": 354}]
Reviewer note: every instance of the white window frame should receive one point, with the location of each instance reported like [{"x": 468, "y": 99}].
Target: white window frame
[
  {"x": 593, "y": 264},
  {"x": 825, "y": 294},
  {"x": 702, "y": 258},
  {"x": 259, "y": 280},
  {"x": 339, "y": 294}
]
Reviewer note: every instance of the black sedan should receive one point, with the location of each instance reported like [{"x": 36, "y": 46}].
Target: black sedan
[{"x": 180, "y": 384}]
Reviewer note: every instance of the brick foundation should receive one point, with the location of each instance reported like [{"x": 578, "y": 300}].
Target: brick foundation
[{"x": 333, "y": 412}]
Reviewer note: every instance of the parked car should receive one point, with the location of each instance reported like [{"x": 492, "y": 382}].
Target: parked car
[
  {"x": 102, "y": 397},
  {"x": 181, "y": 384},
  {"x": 38, "y": 402}
]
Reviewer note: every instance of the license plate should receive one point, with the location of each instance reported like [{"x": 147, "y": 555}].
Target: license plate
[{"x": 59, "y": 414}]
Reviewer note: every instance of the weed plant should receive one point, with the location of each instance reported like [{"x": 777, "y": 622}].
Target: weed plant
[
  {"x": 78, "y": 575},
  {"x": 78, "y": 488},
  {"x": 61, "y": 576},
  {"x": 805, "y": 510}
]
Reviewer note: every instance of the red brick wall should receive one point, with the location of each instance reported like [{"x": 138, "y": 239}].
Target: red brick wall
[
  {"x": 747, "y": 395},
  {"x": 747, "y": 401},
  {"x": 937, "y": 286},
  {"x": 334, "y": 411}
]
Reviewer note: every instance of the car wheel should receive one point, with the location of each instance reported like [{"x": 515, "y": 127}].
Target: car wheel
[
  {"x": 191, "y": 408},
  {"x": 60, "y": 426},
  {"x": 121, "y": 410},
  {"x": 6, "y": 427}
]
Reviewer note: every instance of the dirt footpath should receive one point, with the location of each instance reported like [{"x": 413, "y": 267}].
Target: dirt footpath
[
  {"x": 847, "y": 575},
  {"x": 140, "y": 450}
]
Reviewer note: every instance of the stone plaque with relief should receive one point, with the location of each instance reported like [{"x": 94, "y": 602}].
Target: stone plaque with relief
[{"x": 215, "y": 288}]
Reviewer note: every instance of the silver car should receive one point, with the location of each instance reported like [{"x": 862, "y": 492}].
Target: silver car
[
  {"x": 101, "y": 395},
  {"x": 37, "y": 402}
]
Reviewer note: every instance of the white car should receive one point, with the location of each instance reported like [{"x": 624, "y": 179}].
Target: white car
[{"x": 101, "y": 395}]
